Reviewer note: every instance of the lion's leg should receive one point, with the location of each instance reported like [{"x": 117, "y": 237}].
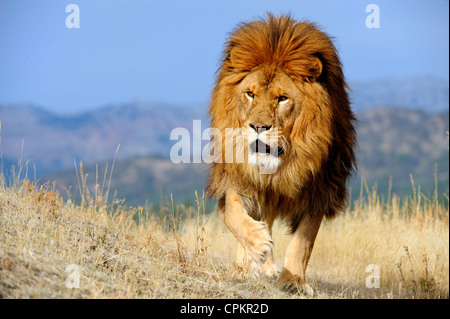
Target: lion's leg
[
  {"x": 243, "y": 260},
  {"x": 247, "y": 263},
  {"x": 269, "y": 268},
  {"x": 254, "y": 236},
  {"x": 298, "y": 252}
]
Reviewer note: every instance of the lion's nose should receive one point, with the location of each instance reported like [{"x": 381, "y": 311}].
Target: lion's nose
[{"x": 260, "y": 127}]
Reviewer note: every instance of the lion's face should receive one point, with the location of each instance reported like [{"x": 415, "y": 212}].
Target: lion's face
[
  {"x": 278, "y": 119},
  {"x": 268, "y": 107}
]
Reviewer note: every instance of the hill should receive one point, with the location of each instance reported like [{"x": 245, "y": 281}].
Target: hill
[
  {"x": 401, "y": 131},
  {"x": 392, "y": 142},
  {"x": 398, "y": 142},
  {"x": 51, "y": 248},
  {"x": 139, "y": 180},
  {"x": 426, "y": 93},
  {"x": 52, "y": 141}
]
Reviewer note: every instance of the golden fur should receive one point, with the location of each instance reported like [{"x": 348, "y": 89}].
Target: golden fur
[{"x": 285, "y": 77}]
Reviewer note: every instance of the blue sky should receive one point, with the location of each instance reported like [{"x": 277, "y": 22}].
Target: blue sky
[{"x": 168, "y": 51}]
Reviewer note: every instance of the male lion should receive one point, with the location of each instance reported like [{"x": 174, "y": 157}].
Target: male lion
[{"x": 281, "y": 88}]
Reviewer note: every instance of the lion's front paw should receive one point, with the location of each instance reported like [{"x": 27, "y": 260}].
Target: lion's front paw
[
  {"x": 257, "y": 242},
  {"x": 267, "y": 269},
  {"x": 294, "y": 284}
]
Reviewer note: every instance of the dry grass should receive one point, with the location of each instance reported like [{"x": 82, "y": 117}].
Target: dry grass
[{"x": 180, "y": 252}]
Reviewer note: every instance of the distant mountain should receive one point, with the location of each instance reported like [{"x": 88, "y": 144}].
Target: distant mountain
[
  {"x": 393, "y": 142},
  {"x": 398, "y": 142},
  {"x": 53, "y": 141},
  {"x": 401, "y": 129},
  {"x": 427, "y": 93}
]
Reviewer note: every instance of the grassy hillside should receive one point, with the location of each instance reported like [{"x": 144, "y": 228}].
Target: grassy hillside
[
  {"x": 51, "y": 248},
  {"x": 397, "y": 142},
  {"x": 140, "y": 181}
]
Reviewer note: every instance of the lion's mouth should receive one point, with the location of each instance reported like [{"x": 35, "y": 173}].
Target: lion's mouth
[{"x": 260, "y": 147}]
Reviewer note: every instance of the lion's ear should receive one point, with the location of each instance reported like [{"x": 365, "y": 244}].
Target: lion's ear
[{"x": 315, "y": 69}]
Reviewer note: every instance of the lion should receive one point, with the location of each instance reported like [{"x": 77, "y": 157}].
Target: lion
[{"x": 281, "y": 89}]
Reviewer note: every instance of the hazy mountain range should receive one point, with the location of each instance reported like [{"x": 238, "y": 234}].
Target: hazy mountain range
[
  {"x": 402, "y": 129},
  {"x": 52, "y": 141},
  {"x": 418, "y": 93}
]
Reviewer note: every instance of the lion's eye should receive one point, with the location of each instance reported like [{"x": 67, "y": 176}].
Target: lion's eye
[
  {"x": 282, "y": 99},
  {"x": 250, "y": 95}
]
